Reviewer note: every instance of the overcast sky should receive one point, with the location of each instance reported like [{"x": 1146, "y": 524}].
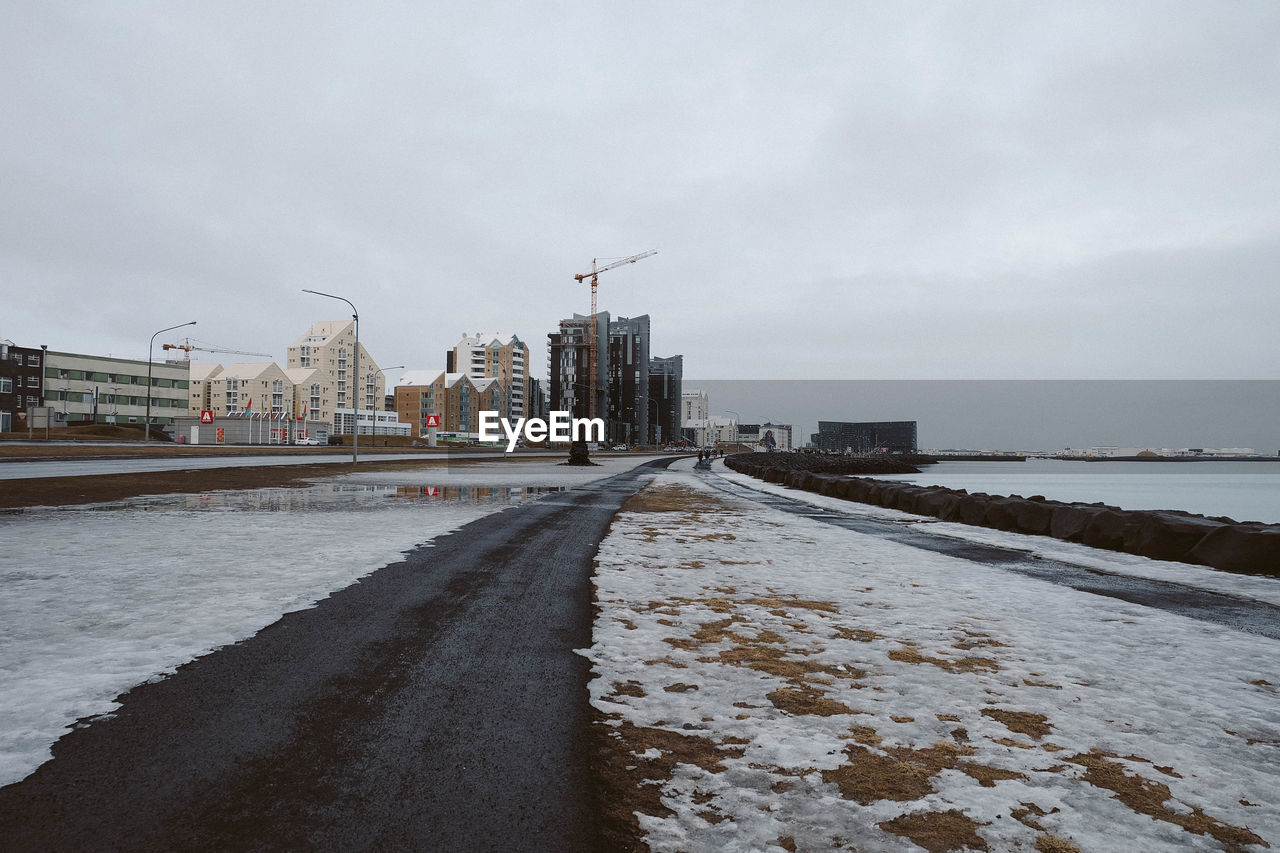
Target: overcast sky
[{"x": 835, "y": 190}]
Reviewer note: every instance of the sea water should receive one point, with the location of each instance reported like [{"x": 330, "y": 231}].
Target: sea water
[{"x": 1244, "y": 491}]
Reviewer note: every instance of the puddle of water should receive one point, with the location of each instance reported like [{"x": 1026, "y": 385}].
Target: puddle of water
[{"x": 317, "y": 498}]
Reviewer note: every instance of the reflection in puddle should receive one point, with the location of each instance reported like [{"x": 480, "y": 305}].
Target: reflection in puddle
[{"x": 322, "y": 497}]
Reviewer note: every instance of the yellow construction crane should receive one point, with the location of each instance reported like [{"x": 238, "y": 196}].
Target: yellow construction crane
[
  {"x": 187, "y": 346},
  {"x": 595, "y": 271}
]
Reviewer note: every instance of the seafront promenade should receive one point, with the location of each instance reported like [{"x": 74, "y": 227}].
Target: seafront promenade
[{"x": 645, "y": 655}]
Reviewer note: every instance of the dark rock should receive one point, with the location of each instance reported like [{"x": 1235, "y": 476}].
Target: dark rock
[
  {"x": 1166, "y": 535},
  {"x": 972, "y": 509},
  {"x": 1105, "y": 530},
  {"x": 1251, "y": 549},
  {"x": 1070, "y": 520}
]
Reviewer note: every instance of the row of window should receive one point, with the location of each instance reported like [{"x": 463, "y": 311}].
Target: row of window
[
  {"x": 7, "y": 384},
  {"x": 112, "y": 378},
  {"x": 32, "y": 360}
]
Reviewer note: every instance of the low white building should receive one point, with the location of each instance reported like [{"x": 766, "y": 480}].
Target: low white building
[
  {"x": 114, "y": 390},
  {"x": 372, "y": 422},
  {"x": 706, "y": 432}
]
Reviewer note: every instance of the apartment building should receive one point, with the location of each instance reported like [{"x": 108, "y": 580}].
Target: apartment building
[
  {"x": 665, "y": 378},
  {"x": 501, "y": 356},
  {"x": 694, "y": 406},
  {"x": 259, "y": 386},
  {"x": 454, "y": 398},
  {"x": 21, "y": 383},
  {"x": 627, "y": 418},
  {"x": 569, "y": 366},
  {"x": 329, "y": 348}
]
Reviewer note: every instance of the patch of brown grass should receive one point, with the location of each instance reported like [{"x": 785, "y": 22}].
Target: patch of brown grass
[
  {"x": 937, "y": 832},
  {"x": 1020, "y": 722},
  {"x": 625, "y": 780},
  {"x": 630, "y": 688},
  {"x": 807, "y": 700},
  {"x": 898, "y": 774},
  {"x": 908, "y": 654},
  {"x": 857, "y": 634},
  {"x": 1054, "y": 844},
  {"x": 673, "y": 499},
  {"x": 986, "y": 775},
  {"x": 1147, "y": 797},
  {"x": 1028, "y": 813}
]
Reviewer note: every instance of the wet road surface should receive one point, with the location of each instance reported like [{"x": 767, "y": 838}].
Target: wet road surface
[
  {"x": 437, "y": 704},
  {"x": 1241, "y": 614}
]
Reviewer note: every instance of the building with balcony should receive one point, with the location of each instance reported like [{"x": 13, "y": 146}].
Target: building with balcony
[
  {"x": 328, "y": 348},
  {"x": 501, "y": 356},
  {"x": 569, "y": 366},
  {"x": 454, "y": 398}
]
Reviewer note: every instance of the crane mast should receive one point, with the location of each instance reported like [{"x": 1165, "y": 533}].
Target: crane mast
[{"x": 592, "y": 357}]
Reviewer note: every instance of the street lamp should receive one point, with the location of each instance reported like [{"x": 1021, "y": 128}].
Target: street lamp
[
  {"x": 146, "y": 430},
  {"x": 355, "y": 385},
  {"x": 736, "y": 418}
]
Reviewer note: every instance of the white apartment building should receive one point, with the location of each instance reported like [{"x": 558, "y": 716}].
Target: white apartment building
[
  {"x": 329, "y": 349},
  {"x": 694, "y": 406},
  {"x": 499, "y": 355}
]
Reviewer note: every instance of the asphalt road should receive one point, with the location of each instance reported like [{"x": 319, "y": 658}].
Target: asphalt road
[{"x": 435, "y": 705}]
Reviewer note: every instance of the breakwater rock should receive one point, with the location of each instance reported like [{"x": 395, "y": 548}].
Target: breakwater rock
[
  {"x": 1221, "y": 543},
  {"x": 818, "y": 463}
]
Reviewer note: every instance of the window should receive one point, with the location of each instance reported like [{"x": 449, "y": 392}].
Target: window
[
  {"x": 33, "y": 361},
  {"x": 33, "y": 381},
  {"x": 6, "y": 385},
  {"x": 33, "y": 401}
]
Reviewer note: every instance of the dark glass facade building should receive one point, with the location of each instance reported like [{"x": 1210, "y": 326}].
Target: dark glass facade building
[{"x": 866, "y": 437}]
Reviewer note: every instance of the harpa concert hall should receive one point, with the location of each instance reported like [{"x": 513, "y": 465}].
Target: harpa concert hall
[{"x": 869, "y": 437}]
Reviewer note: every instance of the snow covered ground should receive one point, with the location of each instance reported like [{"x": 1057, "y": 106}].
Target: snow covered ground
[
  {"x": 96, "y": 599},
  {"x": 775, "y": 683},
  {"x": 1260, "y": 588}
]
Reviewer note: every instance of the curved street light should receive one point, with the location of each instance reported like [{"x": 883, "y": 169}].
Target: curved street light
[
  {"x": 355, "y": 376},
  {"x": 146, "y": 430}
]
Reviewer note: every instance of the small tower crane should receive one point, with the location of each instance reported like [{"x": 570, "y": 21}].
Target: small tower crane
[{"x": 595, "y": 271}]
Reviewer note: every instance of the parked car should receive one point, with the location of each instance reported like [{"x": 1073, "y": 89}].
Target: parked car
[{"x": 309, "y": 441}]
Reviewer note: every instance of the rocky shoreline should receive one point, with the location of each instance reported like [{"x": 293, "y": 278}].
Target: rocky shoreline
[{"x": 1218, "y": 542}]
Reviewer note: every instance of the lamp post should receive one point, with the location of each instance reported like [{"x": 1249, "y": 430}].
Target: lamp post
[
  {"x": 736, "y": 418},
  {"x": 146, "y": 430},
  {"x": 355, "y": 375}
]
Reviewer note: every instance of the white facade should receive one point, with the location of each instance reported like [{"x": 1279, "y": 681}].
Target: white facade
[
  {"x": 694, "y": 406},
  {"x": 114, "y": 390},
  {"x": 329, "y": 348},
  {"x": 711, "y": 431},
  {"x": 372, "y": 422}
]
